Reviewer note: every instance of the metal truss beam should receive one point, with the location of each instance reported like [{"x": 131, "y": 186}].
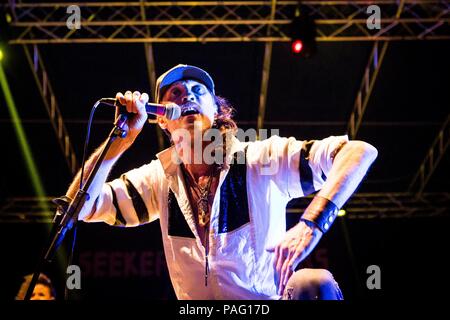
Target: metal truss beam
[
  {"x": 265, "y": 73},
  {"x": 360, "y": 206},
  {"x": 151, "y": 72},
  {"x": 432, "y": 159},
  {"x": 42, "y": 80},
  {"x": 367, "y": 84},
  {"x": 148, "y": 48},
  {"x": 388, "y": 205},
  {"x": 370, "y": 75},
  {"x": 225, "y": 21}
]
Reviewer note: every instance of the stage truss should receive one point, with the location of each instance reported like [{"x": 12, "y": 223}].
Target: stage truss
[
  {"x": 35, "y": 24},
  {"x": 224, "y": 21},
  {"x": 360, "y": 206}
]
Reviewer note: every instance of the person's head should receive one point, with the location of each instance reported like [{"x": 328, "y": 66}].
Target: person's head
[
  {"x": 42, "y": 291},
  {"x": 193, "y": 90}
]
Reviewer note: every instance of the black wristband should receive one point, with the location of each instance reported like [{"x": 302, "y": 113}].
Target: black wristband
[{"x": 322, "y": 212}]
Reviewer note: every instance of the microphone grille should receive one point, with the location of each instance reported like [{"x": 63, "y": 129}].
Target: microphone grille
[{"x": 173, "y": 111}]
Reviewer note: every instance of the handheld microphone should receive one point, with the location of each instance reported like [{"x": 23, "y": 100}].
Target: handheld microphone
[{"x": 170, "y": 111}]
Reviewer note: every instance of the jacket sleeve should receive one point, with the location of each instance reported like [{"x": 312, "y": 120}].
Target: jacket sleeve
[
  {"x": 298, "y": 168},
  {"x": 130, "y": 200}
]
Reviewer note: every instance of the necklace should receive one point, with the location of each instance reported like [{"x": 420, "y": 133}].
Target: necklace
[{"x": 202, "y": 194}]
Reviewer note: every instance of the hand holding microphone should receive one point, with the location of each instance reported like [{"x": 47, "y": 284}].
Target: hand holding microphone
[
  {"x": 170, "y": 111},
  {"x": 138, "y": 107},
  {"x": 134, "y": 103},
  {"x": 137, "y": 104}
]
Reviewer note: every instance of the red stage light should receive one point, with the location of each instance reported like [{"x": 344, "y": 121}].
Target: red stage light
[{"x": 297, "y": 46}]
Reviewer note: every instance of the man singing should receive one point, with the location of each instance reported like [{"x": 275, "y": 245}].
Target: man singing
[{"x": 221, "y": 202}]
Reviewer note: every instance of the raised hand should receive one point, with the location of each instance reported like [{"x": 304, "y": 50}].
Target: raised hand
[{"x": 135, "y": 105}]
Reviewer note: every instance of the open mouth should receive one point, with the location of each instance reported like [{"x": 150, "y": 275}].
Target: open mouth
[{"x": 186, "y": 111}]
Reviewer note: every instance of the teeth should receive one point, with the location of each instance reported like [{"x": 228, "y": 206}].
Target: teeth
[{"x": 189, "y": 109}]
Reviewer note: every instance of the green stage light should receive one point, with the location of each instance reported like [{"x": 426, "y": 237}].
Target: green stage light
[
  {"x": 22, "y": 139},
  {"x": 33, "y": 172}
]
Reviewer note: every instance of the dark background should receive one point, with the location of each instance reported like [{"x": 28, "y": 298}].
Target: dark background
[{"x": 409, "y": 103}]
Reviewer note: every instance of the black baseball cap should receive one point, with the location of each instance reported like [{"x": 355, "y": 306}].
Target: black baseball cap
[{"x": 180, "y": 72}]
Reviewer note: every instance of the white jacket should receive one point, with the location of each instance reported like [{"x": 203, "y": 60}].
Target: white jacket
[{"x": 248, "y": 213}]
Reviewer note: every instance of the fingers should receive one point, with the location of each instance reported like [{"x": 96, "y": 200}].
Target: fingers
[
  {"x": 121, "y": 98},
  {"x": 129, "y": 101},
  {"x": 125, "y": 100},
  {"x": 144, "y": 98},
  {"x": 297, "y": 244},
  {"x": 282, "y": 257},
  {"x": 280, "y": 260},
  {"x": 275, "y": 264},
  {"x": 140, "y": 102},
  {"x": 133, "y": 101},
  {"x": 279, "y": 267},
  {"x": 289, "y": 264},
  {"x": 286, "y": 271},
  {"x": 286, "y": 275},
  {"x": 287, "y": 256},
  {"x": 284, "y": 267}
]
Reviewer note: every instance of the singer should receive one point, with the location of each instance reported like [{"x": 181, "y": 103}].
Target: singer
[{"x": 223, "y": 222}]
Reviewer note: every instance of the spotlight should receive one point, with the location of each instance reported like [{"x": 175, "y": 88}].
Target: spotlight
[
  {"x": 342, "y": 213},
  {"x": 302, "y": 31},
  {"x": 297, "y": 46},
  {"x": 1, "y": 55}
]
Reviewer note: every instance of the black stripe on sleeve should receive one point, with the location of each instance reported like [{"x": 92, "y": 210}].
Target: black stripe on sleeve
[
  {"x": 306, "y": 175},
  {"x": 138, "y": 202},
  {"x": 120, "y": 220}
]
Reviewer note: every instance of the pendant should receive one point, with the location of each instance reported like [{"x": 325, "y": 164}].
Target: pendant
[{"x": 203, "y": 217}]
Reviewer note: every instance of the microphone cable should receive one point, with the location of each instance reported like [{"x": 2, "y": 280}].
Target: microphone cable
[{"x": 75, "y": 224}]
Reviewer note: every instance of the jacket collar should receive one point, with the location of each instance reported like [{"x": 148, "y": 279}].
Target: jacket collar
[{"x": 170, "y": 160}]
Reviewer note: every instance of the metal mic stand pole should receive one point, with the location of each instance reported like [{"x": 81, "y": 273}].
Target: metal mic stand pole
[{"x": 71, "y": 210}]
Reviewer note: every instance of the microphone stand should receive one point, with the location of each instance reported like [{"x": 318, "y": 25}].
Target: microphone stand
[{"x": 69, "y": 209}]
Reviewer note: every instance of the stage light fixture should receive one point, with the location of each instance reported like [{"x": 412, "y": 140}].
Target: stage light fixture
[
  {"x": 297, "y": 46},
  {"x": 302, "y": 31}
]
